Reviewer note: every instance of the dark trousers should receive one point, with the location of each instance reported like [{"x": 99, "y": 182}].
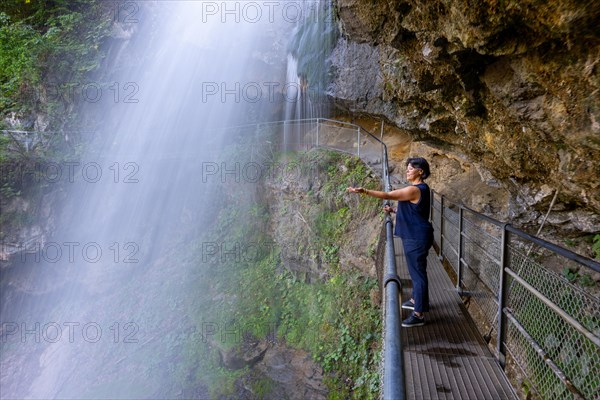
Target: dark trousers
[{"x": 416, "y": 252}]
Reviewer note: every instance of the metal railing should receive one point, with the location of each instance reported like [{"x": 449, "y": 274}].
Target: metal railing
[
  {"x": 373, "y": 150},
  {"x": 542, "y": 326},
  {"x": 369, "y": 148},
  {"x": 393, "y": 379},
  {"x": 537, "y": 320}
]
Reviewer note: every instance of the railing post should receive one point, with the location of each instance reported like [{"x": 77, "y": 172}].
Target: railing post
[
  {"x": 441, "y": 256},
  {"x": 318, "y": 126},
  {"x": 460, "y": 247},
  {"x": 431, "y": 203},
  {"x": 502, "y": 297},
  {"x": 358, "y": 140}
]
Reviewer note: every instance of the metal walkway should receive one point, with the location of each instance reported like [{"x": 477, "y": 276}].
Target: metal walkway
[
  {"x": 544, "y": 328},
  {"x": 447, "y": 358}
]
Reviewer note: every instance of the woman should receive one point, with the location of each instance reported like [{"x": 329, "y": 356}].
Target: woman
[{"x": 415, "y": 230}]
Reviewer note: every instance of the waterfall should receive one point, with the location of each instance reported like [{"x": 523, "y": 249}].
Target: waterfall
[
  {"x": 102, "y": 309},
  {"x": 294, "y": 105},
  {"x": 307, "y": 77}
]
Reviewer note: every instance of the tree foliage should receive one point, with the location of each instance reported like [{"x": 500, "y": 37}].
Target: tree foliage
[
  {"x": 18, "y": 71},
  {"x": 45, "y": 43}
]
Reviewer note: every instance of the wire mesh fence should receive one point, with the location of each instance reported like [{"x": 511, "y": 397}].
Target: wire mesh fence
[
  {"x": 563, "y": 320},
  {"x": 550, "y": 327},
  {"x": 481, "y": 254}
]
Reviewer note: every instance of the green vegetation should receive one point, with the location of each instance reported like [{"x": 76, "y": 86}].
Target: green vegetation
[
  {"x": 573, "y": 276},
  {"x": 596, "y": 246},
  {"x": 47, "y": 49},
  {"x": 332, "y": 318},
  {"x": 570, "y": 274},
  {"x": 44, "y": 45},
  {"x": 17, "y": 61}
]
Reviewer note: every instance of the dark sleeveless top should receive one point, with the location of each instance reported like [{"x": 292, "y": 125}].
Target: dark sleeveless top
[{"x": 412, "y": 220}]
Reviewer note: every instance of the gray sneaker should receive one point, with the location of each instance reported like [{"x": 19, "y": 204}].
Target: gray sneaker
[
  {"x": 413, "y": 321},
  {"x": 408, "y": 305}
]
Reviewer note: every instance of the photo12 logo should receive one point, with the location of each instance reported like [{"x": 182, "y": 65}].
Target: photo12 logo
[
  {"x": 125, "y": 12},
  {"x": 73, "y": 171},
  {"x": 214, "y": 252},
  {"x": 234, "y": 333},
  {"x": 93, "y": 92},
  {"x": 235, "y": 251},
  {"x": 77, "y": 252},
  {"x": 253, "y": 172},
  {"x": 54, "y": 332},
  {"x": 253, "y": 12},
  {"x": 64, "y": 95},
  {"x": 119, "y": 12},
  {"x": 254, "y": 92}
]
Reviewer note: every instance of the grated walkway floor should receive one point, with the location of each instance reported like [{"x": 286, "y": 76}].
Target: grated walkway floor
[{"x": 447, "y": 358}]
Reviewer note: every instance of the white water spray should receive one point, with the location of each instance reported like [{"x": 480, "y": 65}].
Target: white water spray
[{"x": 104, "y": 308}]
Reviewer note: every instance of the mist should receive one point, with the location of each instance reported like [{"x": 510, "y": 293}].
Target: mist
[{"x": 102, "y": 307}]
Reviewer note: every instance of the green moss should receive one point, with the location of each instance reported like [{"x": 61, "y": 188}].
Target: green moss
[
  {"x": 262, "y": 387},
  {"x": 596, "y": 246},
  {"x": 333, "y": 319}
]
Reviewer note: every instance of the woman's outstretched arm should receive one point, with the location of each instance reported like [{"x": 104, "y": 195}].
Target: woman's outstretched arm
[{"x": 409, "y": 193}]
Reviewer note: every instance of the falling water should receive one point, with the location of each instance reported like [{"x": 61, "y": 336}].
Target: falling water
[
  {"x": 103, "y": 309},
  {"x": 308, "y": 72}
]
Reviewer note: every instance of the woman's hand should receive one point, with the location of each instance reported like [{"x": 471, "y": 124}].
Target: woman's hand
[
  {"x": 356, "y": 190},
  {"x": 388, "y": 209}
]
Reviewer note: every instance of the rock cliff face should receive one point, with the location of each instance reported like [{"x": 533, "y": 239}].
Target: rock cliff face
[
  {"x": 297, "y": 205},
  {"x": 511, "y": 88}
]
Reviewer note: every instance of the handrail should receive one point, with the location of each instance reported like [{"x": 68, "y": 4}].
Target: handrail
[
  {"x": 534, "y": 311},
  {"x": 393, "y": 379},
  {"x": 539, "y": 241},
  {"x": 285, "y": 121},
  {"x": 557, "y": 249},
  {"x": 393, "y": 369}
]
